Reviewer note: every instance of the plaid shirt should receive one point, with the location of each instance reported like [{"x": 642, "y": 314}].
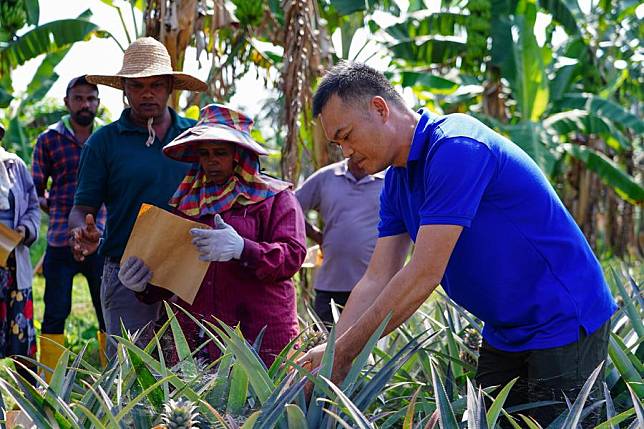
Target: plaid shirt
[{"x": 56, "y": 156}]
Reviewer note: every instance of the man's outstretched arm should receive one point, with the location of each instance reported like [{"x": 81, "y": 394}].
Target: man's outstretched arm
[{"x": 401, "y": 296}]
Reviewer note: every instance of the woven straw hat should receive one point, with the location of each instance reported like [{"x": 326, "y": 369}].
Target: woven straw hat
[
  {"x": 217, "y": 123},
  {"x": 147, "y": 57}
]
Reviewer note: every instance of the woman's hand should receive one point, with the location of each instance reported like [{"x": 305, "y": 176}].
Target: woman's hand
[
  {"x": 220, "y": 244},
  {"x": 134, "y": 274}
]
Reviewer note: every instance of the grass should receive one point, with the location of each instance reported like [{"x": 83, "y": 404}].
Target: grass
[{"x": 81, "y": 326}]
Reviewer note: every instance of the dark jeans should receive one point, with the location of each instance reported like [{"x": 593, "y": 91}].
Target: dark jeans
[
  {"x": 323, "y": 304},
  {"x": 59, "y": 269},
  {"x": 547, "y": 375}
]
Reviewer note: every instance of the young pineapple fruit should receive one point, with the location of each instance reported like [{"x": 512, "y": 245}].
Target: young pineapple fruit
[
  {"x": 181, "y": 414},
  {"x": 472, "y": 340}
]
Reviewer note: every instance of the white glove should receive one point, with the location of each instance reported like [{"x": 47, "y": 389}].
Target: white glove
[
  {"x": 134, "y": 274},
  {"x": 220, "y": 244}
]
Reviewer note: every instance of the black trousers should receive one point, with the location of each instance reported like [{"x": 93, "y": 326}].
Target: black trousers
[
  {"x": 547, "y": 375},
  {"x": 323, "y": 304},
  {"x": 59, "y": 268}
]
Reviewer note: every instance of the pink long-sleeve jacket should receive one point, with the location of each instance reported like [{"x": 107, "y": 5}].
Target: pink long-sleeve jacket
[{"x": 256, "y": 290}]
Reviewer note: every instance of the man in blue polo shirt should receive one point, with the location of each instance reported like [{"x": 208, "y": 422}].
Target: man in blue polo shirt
[
  {"x": 486, "y": 225},
  {"x": 122, "y": 166}
]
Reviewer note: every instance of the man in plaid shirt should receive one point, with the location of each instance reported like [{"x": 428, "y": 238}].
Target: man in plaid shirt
[{"x": 56, "y": 156}]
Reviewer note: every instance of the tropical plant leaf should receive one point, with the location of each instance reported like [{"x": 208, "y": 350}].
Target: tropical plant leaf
[
  {"x": 47, "y": 38},
  {"x": 295, "y": 417},
  {"x": 238, "y": 390},
  {"x": 181, "y": 344},
  {"x": 565, "y": 12},
  {"x": 422, "y": 23},
  {"x": 572, "y": 419},
  {"x": 533, "y": 139},
  {"x": 429, "y": 49},
  {"x": 33, "y": 11},
  {"x": 314, "y": 411},
  {"x": 530, "y": 83},
  {"x": 428, "y": 81},
  {"x": 408, "y": 423},
  {"x": 255, "y": 369},
  {"x": 610, "y": 173},
  {"x": 447, "y": 419},
  {"x": 629, "y": 306},
  {"x": 601, "y": 107},
  {"x": 349, "y": 383},
  {"x": 579, "y": 121},
  {"x": 496, "y": 407},
  {"x": 637, "y": 405},
  {"x": 145, "y": 379},
  {"x": 32, "y": 410},
  {"x": 351, "y": 409}
]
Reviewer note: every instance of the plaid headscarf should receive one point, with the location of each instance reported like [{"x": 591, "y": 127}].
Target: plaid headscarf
[{"x": 196, "y": 197}]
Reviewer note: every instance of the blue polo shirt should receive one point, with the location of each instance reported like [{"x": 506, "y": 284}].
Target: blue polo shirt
[
  {"x": 521, "y": 264},
  {"x": 118, "y": 169}
]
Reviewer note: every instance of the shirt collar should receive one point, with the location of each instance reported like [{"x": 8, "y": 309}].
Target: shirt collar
[
  {"x": 419, "y": 141},
  {"x": 126, "y": 125},
  {"x": 64, "y": 126}
]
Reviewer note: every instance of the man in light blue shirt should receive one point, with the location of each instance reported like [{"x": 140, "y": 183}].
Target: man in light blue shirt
[{"x": 348, "y": 200}]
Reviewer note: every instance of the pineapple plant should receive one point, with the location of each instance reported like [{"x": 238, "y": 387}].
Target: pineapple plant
[
  {"x": 181, "y": 414},
  {"x": 472, "y": 341}
]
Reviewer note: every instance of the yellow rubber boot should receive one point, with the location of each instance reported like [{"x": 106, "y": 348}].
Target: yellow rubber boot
[
  {"x": 51, "y": 348},
  {"x": 101, "y": 337}
]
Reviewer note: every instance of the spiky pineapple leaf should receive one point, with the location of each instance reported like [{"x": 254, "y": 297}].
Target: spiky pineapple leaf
[
  {"x": 295, "y": 417},
  {"x": 408, "y": 423},
  {"x": 572, "y": 419},
  {"x": 629, "y": 305},
  {"x": 349, "y": 383},
  {"x": 238, "y": 390},
  {"x": 496, "y": 407},
  {"x": 447, "y": 419},
  {"x": 350, "y": 408},
  {"x": 314, "y": 411}
]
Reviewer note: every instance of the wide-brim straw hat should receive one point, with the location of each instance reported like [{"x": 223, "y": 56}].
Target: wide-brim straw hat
[
  {"x": 217, "y": 123},
  {"x": 147, "y": 57}
]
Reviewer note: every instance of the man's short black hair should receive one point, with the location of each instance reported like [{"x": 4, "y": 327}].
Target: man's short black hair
[
  {"x": 353, "y": 82},
  {"x": 80, "y": 80}
]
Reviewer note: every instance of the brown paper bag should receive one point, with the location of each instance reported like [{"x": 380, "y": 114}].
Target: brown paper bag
[
  {"x": 9, "y": 239},
  {"x": 163, "y": 241}
]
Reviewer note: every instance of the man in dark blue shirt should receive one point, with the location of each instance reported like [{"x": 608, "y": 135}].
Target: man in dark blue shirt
[
  {"x": 122, "y": 166},
  {"x": 486, "y": 225}
]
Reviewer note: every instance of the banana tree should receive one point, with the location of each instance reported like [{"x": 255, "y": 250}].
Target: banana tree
[{"x": 54, "y": 40}]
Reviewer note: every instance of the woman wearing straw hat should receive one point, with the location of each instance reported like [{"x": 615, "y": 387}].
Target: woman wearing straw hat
[
  {"x": 122, "y": 166},
  {"x": 258, "y": 240}
]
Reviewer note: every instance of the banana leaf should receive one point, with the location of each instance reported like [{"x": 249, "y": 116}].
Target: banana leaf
[
  {"x": 580, "y": 121},
  {"x": 530, "y": 83},
  {"x": 33, "y": 11},
  {"x": 624, "y": 185},
  {"x": 565, "y": 12},
  {"x": 533, "y": 139},
  {"x": 601, "y": 107},
  {"x": 47, "y": 38}
]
